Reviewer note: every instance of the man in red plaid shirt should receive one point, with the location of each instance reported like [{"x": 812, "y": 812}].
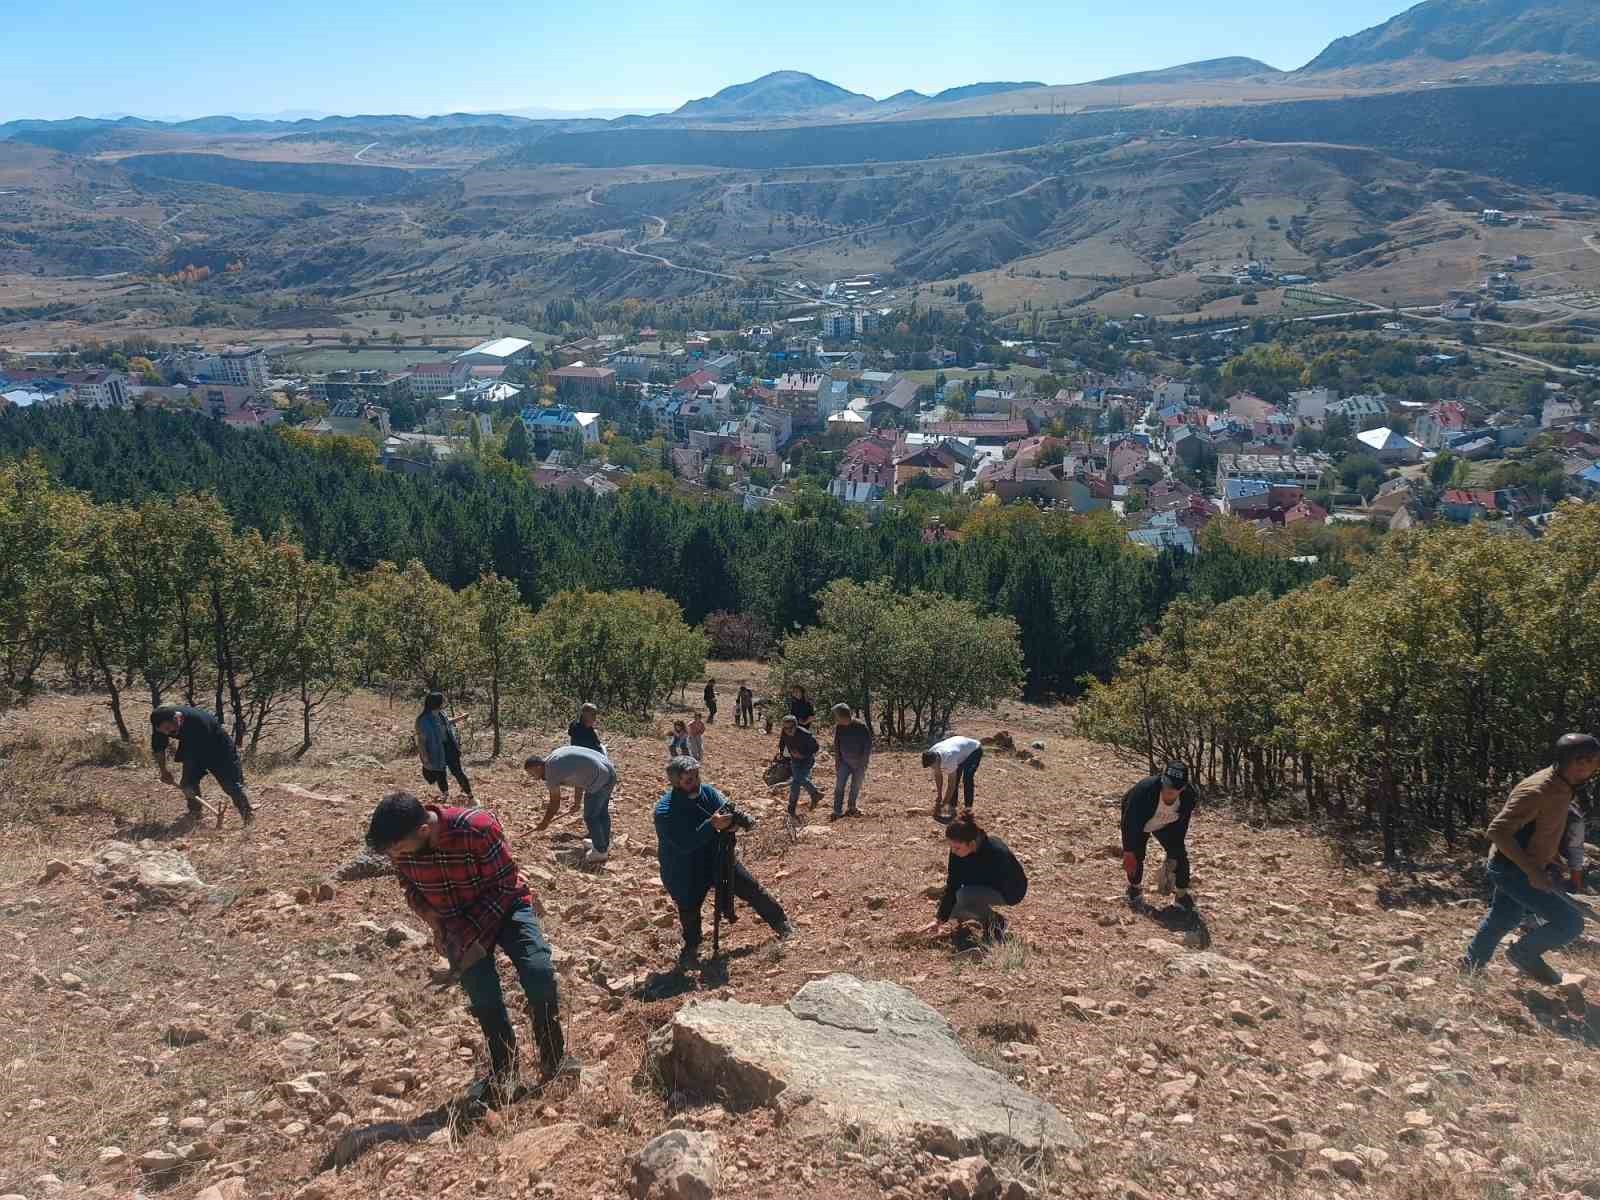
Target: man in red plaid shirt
[{"x": 459, "y": 877}]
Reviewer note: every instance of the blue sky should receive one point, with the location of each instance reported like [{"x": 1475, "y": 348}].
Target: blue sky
[{"x": 160, "y": 58}]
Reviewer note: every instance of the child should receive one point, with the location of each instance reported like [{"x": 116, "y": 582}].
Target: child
[
  {"x": 697, "y": 738},
  {"x": 678, "y": 743}
]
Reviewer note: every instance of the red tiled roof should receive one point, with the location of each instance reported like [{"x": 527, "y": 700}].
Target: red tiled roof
[{"x": 1010, "y": 430}]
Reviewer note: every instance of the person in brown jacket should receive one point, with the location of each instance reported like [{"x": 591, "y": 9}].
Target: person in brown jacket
[{"x": 1527, "y": 837}]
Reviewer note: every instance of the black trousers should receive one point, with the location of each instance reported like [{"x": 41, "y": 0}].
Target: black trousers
[
  {"x": 1172, "y": 842},
  {"x": 452, "y": 764},
  {"x": 711, "y": 712},
  {"x": 745, "y": 888},
  {"x": 229, "y": 774}
]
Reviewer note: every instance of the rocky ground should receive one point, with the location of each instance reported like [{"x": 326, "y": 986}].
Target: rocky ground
[{"x": 215, "y": 1015}]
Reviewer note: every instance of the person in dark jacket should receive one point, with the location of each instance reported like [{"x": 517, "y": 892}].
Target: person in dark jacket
[
  {"x": 800, "y": 748},
  {"x": 711, "y": 701},
  {"x": 852, "y": 751},
  {"x": 982, "y": 875},
  {"x": 745, "y": 707},
  {"x": 690, "y": 820},
  {"x": 204, "y": 747},
  {"x": 582, "y": 731},
  {"x": 439, "y": 748},
  {"x": 1159, "y": 806},
  {"x": 800, "y": 706}
]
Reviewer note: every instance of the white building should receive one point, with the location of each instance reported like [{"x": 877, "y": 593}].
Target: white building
[
  {"x": 837, "y": 325},
  {"x": 498, "y": 352},
  {"x": 432, "y": 380},
  {"x": 1389, "y": 446}
]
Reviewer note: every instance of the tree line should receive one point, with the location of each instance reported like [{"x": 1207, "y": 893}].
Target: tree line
[
  {"x": 1079, "y": 592},
  {"x": 1405, "y": 702}
]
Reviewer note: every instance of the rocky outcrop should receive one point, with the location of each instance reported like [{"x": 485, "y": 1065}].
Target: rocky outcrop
[
  {"x": 157, "y": 876},
  {"x": 869, "y": 1055}
]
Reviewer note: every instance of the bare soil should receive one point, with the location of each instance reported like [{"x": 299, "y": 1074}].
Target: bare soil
[{"x": 1330, "y": 1009}]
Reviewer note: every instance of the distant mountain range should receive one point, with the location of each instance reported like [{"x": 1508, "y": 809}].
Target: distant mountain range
[
  {"x": 1481, "y": 41},
  {"x": 795, "y": 94},
  {"x": 1212, "y": 70}
]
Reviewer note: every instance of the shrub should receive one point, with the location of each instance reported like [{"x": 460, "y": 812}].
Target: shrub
[
  {"x": 626, "y": 650},
  {"x": 736, "y": 635}
]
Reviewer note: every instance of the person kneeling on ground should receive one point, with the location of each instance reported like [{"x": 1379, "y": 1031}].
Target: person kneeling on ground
[
  {"x": 955, "y": 762},
  {"x": 800, "y": 748},
  {"x": 590, "y": 775},
  {"x": 1527, "y": 836},
  {"x": 691, "y": 820},
  {"x": 203, "y": 746},
  {"x": 439, "y": 748},
  {"x": 460, "y": 879},
  {"x": 1159, "y": 806},
  {"x": 982, "y": 875}
]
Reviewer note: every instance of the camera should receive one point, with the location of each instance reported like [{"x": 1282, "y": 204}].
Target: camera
[{"x": 741, "y": 820}]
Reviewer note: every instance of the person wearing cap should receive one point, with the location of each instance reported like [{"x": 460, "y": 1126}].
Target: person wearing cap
[
  {"x": 1159, "y": 806},
  {"x": 439, "y": 748},
  {"x": 1527, "y": 838}
]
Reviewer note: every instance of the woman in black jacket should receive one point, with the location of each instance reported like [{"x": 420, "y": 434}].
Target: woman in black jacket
[{"x": 982, "y": 875}]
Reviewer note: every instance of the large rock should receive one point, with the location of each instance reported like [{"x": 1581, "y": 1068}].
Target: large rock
[
  {"x": 678, "y": 1165},
  {"x": 157, "y": 875},
  {"x": 848, "y": 1052}
]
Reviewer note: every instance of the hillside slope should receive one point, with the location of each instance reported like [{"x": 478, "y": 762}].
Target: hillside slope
[
  {"x": 1211, "y": 69},
  {"x": 1321, "y": 1046},
  {"x": 1464, "y": 31}
]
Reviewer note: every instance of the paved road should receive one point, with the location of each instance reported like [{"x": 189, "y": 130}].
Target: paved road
[{"x": 364, "y": 149}]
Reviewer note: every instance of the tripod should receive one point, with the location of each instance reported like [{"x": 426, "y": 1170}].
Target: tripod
[{"x": 722, "y": 899}]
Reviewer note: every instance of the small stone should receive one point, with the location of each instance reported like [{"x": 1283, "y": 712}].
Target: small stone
[
  {"x": 54, "y": 868},
  {"x": 970, "y": 1179},
  {"x": 231, "y": 1188},
  {"x": 183, "y": 1033},
  {"x": 876, "y": 903},
  {"x": 71, "y": 982},
  {"x": 302, "y": 895},
  {"x": 678, "y": 1165},
  {"x": 1238, "y": 1015},
  {"x": 1342, "y": 1162},
  {"x": 158, "y": 1162},
  {"x": 325, "y": 891},
  {"x": 298, "y": 1045},
  {"x": 111, "y": 1156},
  {"x": 603, "y": 1045}
]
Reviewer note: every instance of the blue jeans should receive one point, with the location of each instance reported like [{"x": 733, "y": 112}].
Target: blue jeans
[
  {"x": 1514, "y": 895},
  {"x": 523, "y": 942},
  {"x": 800, "y": 777},
  {"x": 597, "y": 816},
  {"x": 856, "y": 775}
]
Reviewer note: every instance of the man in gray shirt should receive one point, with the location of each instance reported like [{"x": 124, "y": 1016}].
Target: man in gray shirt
[{"x": 588, "y": 773}]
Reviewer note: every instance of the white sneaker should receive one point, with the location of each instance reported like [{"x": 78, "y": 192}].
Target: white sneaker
[{"x": 594, "y": 858}]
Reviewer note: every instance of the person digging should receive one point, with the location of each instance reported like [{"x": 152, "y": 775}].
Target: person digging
[
  {"x": 204, "y": 748},
  {"x": 459, "y": 877},
  {"x": 590, "y": 775},
  {"x": 1159, "y": 806}
]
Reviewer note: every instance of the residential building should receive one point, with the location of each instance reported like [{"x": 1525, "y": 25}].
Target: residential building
[
  {"x": 416, "y": 453},
  {"x": 581, "y": 380},
  {"x": 1363, "y": 412},
  {"x": 1303, "y": 469},
  {"x": 366, "y": 387},
  {"x": 1464, "y": 505},
  {"x": 866, "y": 321},
  {"x": 499, "y": 352},
  {"x": 798, "y": 394},
  {"x": 1559, "y": 411},
  {"x": 725, "y": 367},
  {"x": 431, "y": 380},
  {"x": 562, "y": 421},
  {"x": 875, "y": 383},
  {"x": 896, "y": 402},
  {"x": 240, "y": 366},
  {"x": 1389, "y": 447},
  {"x": 984, "y": 432},
  {"x": 1310, "y": 406},
  {"x": 935, "y": 462},
  {"x": 1189, "y": 445},
  {"x": 99, "y": 389},
  {"x": 1174, "y": 538},
  {"x": 838, "y": 325},
  {"x": 1441, "y": 422},
  {"x": 353, "y": 418}
]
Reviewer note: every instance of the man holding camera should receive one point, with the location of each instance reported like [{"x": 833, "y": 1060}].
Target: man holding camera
[{"x": 692, "y": 821}]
